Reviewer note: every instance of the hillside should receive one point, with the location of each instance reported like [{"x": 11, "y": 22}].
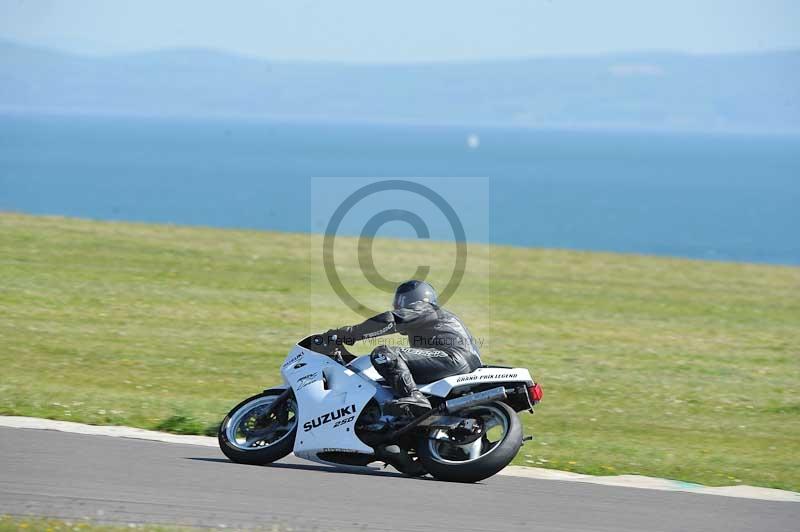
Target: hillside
[{"x": 662, "y": 91}]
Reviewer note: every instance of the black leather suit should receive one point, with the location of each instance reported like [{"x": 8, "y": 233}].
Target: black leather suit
[{"x": 439, "y": 345}]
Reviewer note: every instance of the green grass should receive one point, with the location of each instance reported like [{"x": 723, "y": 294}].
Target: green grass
[
  {"x": 667, "y": 367},
  {"x": 39, "y": 524},
  {"x": 10, "y": 523}
]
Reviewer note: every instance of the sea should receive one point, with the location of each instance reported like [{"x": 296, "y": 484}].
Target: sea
[{"x": 721, "y": 197}]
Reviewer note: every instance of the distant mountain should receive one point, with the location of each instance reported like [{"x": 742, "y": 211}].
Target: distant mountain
[{"x": 664, "y": 91}]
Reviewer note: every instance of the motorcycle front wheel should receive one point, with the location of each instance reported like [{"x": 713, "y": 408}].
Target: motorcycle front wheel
[
  {"x": 248, "y": 436},
  {"x": 471, "y": 461}
]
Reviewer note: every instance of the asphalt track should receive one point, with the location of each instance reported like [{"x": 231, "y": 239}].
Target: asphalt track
[{"x": 57, "y": 474}]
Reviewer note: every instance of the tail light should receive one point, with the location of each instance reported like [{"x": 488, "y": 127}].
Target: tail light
[{"x": 535, "y": 393}]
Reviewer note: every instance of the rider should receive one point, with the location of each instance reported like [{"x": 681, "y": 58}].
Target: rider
[{"x": 439, "y": 345}]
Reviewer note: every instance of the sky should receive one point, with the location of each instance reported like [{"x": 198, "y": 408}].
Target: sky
[{"x": 408, "y": 31}]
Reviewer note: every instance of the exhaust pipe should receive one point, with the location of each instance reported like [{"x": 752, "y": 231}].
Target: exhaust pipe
[
  {"x": 453, "y": 405},
  {"x": 466, "y": 401}
]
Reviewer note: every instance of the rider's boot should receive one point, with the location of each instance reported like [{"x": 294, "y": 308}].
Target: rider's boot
[
  {"x": 413, "y": 405},
  {"x": 410, "y": 401}
]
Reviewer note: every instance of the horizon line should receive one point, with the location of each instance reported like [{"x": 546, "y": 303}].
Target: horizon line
[{"x": 365, "y": 63}]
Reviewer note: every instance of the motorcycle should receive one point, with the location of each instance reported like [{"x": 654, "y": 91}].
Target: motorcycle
[{"x": 329, "y": 410}]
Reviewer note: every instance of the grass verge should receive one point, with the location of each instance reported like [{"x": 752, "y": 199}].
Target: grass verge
[{"x": 40, "y": 524}]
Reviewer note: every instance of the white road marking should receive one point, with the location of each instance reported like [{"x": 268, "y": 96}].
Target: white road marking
[
  {"x": 628, "y": 481},
  {"x": 19, "y": 422},
  {"x": 655, "y": 483}
]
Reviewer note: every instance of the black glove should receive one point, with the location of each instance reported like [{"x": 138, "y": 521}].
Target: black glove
[
  {"x": 331, "y": 336},
  {"x": 342, "y": 337}
]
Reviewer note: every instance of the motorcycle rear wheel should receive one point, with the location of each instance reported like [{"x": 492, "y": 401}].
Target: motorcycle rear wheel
[
  {"x": 246, "y": 438},
  {"x": 477, "y": 460}
]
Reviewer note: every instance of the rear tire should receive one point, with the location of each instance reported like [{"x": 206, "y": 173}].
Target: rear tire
[
  {"x": 491, "y": 462},
  {"x": 237, "y": 451}
]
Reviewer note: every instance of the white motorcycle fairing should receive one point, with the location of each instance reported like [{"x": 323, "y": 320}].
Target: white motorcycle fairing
[
  {"x": 329, "y": 398},
  {"x": 485, "y": 375},
  {"x": 443, "y": 387}
]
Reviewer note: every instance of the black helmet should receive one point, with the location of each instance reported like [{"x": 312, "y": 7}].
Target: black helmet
[{"x": 412, "y": 291}]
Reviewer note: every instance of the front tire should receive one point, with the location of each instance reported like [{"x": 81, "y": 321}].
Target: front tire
[
  {"x": 477, "y": 460},
  {"x": 246, "y": 438}
]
